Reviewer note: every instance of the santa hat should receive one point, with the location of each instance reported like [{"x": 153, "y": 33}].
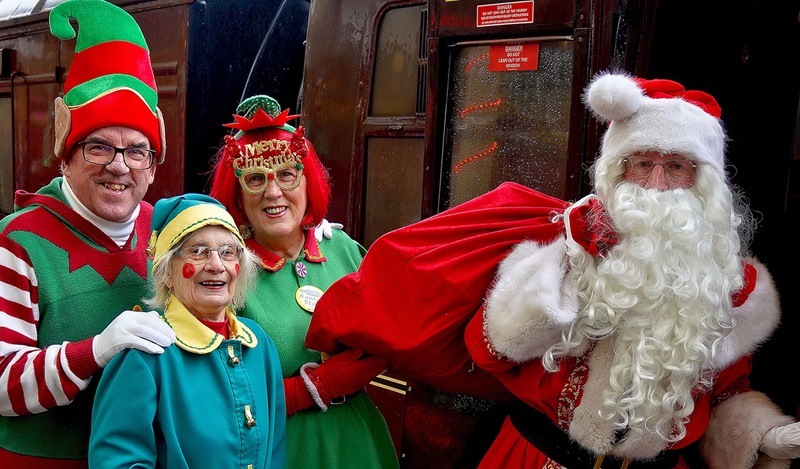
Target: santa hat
[
  {"x": 111, "y": 81},
  {"x": 176, "y": 217},
  {"x": 656, "y": 115}
]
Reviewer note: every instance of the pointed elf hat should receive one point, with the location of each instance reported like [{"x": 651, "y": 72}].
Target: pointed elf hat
[
  {"x": 175, "y": 218},
  {"x": 111, "y": 81}
]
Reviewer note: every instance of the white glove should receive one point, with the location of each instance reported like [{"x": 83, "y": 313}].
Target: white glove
[
  {"x": 144, "y": 331},
  {"x": 782, "y": 442},
  {"x": 326, "y": 229}
]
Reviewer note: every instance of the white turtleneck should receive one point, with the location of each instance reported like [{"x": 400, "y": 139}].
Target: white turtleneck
[{"x": 119, "y": 232}]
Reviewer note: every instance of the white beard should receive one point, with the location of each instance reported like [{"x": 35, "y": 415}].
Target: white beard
[{"x": 663, "y": 295}]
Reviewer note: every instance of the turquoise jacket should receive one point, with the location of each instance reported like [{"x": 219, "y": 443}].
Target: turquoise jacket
[{"x": 206, "y": 402}]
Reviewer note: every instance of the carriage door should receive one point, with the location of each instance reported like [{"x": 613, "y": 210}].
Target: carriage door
[{"x": 513, "y": 73}]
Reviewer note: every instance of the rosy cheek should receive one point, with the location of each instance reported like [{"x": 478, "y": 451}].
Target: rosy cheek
[
  {"x": 236, "y": 268},
  {"x": 188, "y": 270}
]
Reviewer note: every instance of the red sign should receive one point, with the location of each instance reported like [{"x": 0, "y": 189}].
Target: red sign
[
  {"x": 513, "y": 57},
  {"x": 499, "y": 14}
]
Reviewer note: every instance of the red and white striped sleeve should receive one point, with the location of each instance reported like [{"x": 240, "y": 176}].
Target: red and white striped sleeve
[{"x": 32, "y": 379}]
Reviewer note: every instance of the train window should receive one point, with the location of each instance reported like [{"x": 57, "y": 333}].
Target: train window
[
  {"x": 17, "y": 8},
  {"x": 399, "y": 77},
  {"x": 48, "y": 4},
  {"x": 394, "y": 178},
  {"x": 14, "y": 8},
  {"x": 508, "y": 117},
  {"x": 6, "y": 157}
]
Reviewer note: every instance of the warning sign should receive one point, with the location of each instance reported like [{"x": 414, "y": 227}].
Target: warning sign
[
  {"x": 499, "y": 14},
  {"x": 513, "y": 57}
]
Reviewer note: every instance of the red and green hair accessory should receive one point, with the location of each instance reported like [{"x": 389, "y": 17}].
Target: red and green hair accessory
[
  {"x": 262, "y": 125},
  {"x": 253, "y": 150},
  {"x": 111, "y": 81},
  {"x": 260, "y": 112}
]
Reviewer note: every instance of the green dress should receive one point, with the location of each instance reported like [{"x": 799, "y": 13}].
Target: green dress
[{"x": 347, "y": 436}]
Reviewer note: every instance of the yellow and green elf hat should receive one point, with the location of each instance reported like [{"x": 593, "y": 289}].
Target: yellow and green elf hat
[
  {"x": 111, "y": 81},
  {"x": 174, "y": 218}
]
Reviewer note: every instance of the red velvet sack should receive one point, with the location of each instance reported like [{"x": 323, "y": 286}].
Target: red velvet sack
[{"x": 418, "y": 287}]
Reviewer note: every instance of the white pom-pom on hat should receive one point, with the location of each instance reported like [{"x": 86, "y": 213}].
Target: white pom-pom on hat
[
  {"x": 653, "y": 115},
  {"x": 613, "y": 97}
]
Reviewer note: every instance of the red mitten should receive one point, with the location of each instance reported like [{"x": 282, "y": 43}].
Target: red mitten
[
  {"x": 298, "y": 396},
  {"x": 340, "y": 375}
]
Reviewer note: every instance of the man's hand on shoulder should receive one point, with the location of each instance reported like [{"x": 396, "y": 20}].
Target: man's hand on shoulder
[{"x": 143, "y": 331}]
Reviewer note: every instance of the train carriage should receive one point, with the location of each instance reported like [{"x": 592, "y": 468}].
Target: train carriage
[
  {"x": 418, "y": 105},
  {"x": 206, "y": 56}
]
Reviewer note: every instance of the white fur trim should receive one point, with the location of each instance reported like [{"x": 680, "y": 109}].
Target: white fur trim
[
  {"x": 594, "y": 432},
  {"x": 755, "y": 320},
  {"x": 587, "y": 427},
  {"x": 530, "y": 302},
  {"x": 310, "y": 386},
  {"x": 735, "y": 431}
]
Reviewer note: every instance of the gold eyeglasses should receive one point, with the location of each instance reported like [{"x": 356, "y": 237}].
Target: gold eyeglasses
[
  {"x": 256, "y": 181},
  {"x": 676, "y": 169}
]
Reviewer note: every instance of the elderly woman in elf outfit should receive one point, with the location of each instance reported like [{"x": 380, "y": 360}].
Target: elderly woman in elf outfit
[
  {"x": 215, "y": 399},
  {"x": 272, "y": 182}
]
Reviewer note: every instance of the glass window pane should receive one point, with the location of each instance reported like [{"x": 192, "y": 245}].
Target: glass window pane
[
  {"x": 394, "y": 86},
  {"x": 6, "y": 158},
  {"x": 508, "y": 125},
  {"x": 393, "y": 192},
  {"x": 17, "y": 8},
  {"x": 13, "y": 8}
]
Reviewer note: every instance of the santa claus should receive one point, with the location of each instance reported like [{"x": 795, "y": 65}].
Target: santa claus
[{"x": 635, "y": 352}]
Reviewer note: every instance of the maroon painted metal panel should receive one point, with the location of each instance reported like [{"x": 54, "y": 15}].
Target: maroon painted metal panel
[
  {"x": 462, "y": 18},
  {"x": 42, "y": 64},
  {"x": 339, "y": 35}
]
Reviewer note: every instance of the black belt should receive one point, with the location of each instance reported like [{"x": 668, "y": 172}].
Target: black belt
[{"x": 556, "y": 444}]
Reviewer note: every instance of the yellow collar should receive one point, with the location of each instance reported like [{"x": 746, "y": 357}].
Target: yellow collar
[{"x": 194, "y": 337}]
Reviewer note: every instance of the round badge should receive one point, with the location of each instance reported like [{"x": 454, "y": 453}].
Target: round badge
[
  {"x": 307, "y": 297},
  {"x": 300, "y": 270}
]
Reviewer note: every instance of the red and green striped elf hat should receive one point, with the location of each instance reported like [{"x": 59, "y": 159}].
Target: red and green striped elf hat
[{"x": 110, "y": 82}]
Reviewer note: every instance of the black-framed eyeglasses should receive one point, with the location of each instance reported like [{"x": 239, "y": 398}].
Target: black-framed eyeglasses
[
  {"x": 103, "y": 154},
  {"x": 200, "y": 254}
]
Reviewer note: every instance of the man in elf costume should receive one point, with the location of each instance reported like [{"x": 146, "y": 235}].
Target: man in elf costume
[
  {"x": 72, "y": 256},
  {"x": 629, "y": 349}
]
